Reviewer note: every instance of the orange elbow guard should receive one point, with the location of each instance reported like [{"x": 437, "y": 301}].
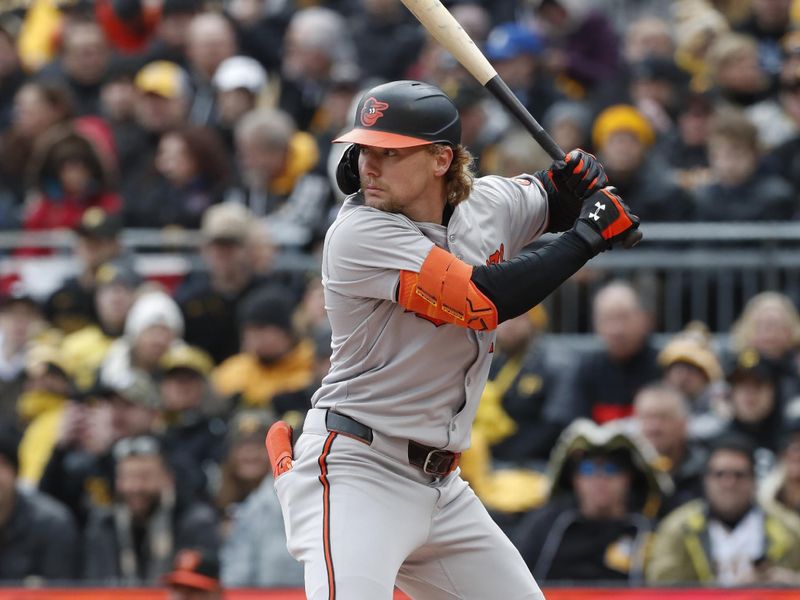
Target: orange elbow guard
[{"x": 443, "y": 290}]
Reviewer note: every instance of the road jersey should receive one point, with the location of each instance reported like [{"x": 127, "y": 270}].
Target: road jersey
[{"x": 401, "y": 374}]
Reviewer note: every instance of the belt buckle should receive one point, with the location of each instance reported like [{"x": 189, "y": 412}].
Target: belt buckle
[{"x": 431, "y": 468}]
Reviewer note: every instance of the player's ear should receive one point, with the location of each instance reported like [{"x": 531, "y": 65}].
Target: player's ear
[
  {"x": 347, "y": 171},
  {"x": 443, "y": 157}
]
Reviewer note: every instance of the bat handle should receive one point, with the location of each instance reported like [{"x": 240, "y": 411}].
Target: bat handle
[{"x": 503, "y": 93}]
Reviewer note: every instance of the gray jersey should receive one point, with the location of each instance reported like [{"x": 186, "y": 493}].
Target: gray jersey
[{"x": 403, "y": 375}]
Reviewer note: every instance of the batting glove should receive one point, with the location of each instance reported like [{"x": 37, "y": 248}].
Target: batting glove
[
  {"x": 567, "y": 182},
  {"x": 605, "y": 220}
]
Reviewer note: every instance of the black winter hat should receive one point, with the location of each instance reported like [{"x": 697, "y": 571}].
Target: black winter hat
[{"x": 269, "y": 305}]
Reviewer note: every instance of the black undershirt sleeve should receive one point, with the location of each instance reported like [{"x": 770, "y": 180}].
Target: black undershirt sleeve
[{"x": 517, "y": 285}]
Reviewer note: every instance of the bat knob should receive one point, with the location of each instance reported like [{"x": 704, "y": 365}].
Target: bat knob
[{"x": 632, "y": 238}]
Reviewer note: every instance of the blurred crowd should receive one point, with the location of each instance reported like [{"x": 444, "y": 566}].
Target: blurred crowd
[{"x": 133, "y": 410}]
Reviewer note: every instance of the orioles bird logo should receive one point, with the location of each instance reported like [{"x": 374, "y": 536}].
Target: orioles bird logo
[
  {"x": 371, "y": 111},
  {"x": 496, "y": 256}
]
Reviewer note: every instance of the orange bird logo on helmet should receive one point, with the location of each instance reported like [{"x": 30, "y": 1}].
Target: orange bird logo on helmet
[{"x": 372, "y": 111}]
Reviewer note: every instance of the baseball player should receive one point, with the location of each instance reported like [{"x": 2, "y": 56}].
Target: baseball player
[{"x": 419, "y": 267}]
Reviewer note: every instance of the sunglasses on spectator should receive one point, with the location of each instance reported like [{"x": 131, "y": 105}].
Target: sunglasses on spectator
[
  {"x": 737, "y": 474},
  {"x": 591, "y": 467},
  {"x": 136, "y": 446}
]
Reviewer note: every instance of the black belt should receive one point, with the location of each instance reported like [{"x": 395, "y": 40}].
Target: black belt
[{"x": 432, "y": 461}]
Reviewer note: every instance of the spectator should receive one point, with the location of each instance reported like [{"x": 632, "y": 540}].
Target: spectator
[
  {"x": 195, "y": 576},
  {"x": 521, "y": 382},
  {"x": 661, "y": 413},
  {"x": 260, "y": 27},
  {"x": 209, "y": 299},
  {"x": 623, "y": 139},
  {"x": 657, "y": 87},
  {"x": 189, "y": 173},
  {"x": 625, "y": 363},
  {"x": 71, "y": 306},
  {"x": 770, "y": 325},
  {"x": 192, "y": 430},
  {"x": 20, "y": 321},
  {"x": 569, "y": 123},
  {"x": 482, "y": 127},
  {"x": 685, "y": 149},
  {"x": 273, "y": 357},
  {"x": 768, "y": 22},
  {"x": 80, "y": 469},
  {"x": 318, "y": 44},
  {"x": 239, "y": 83},
  {"x": 245, "y": 465},
  {"x": 690, "y": 366},
  {"x": 254, "y": 553},
  {"x": 725, "y": 538},
  {"x": 162, "y": 98},
  {"x": 380, "y": 20},
  {"x": 83, "y": 61},
  {"x": 154, "y": 324},
  {"x": 738, "y": 190},
  {"x": 136, "y": 539},
  {"x": 85, "y": 350},
  {"x": 735, "y": 72},
  {"x": 73, "y": 168},
  {"x": 11, "y": 76},
  {"x": 517, "y": 54},
  {"x": 582, "y": 44},
  {"x": 756, "y": 409},
  {"x": 603, "y": 497},
  {"x": 780, "y": 490},
  {"x": 278, "y": 181},
  {"x": 210, "y": 39},
  {"x": 38, "y": 105},
  {"x": 39, "y": 535},
  {"x": 41, "y": 407},
  {"x": 779, "y": 125}
]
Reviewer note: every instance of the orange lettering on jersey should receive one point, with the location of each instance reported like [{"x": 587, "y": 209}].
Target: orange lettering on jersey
[
  {"x": 443, "y": 291},
  {"x": 496, "y": 256}
]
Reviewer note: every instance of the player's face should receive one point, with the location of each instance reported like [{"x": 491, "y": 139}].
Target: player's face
[{"x": 399, "y": 180}]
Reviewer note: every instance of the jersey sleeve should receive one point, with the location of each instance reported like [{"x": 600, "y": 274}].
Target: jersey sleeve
[
  {"x": 368, "y": 248},
  {"x": 523, "y": 202}
]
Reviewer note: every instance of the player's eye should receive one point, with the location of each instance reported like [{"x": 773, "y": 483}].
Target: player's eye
[{"x": 389, "y": 152}]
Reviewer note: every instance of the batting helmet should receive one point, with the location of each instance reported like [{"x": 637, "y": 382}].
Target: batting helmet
[{"x": 403, "y": 114}]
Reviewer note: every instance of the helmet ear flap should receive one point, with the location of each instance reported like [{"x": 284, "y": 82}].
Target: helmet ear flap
[{"x": 347, "y": 171}]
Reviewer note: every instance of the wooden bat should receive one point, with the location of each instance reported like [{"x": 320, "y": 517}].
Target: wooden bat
[{"x": 438, "y": 21}]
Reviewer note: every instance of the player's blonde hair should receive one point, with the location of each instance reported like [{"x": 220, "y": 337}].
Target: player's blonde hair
[{"x": 459, "y": 177}]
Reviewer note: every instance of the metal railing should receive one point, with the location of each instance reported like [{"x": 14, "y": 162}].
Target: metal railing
[{"x": 686, "y": 271}]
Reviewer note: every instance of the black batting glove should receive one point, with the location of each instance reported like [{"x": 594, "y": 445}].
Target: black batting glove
[
  {"x": 567, "y": 182},
  {"x": 604, "y": 220}
]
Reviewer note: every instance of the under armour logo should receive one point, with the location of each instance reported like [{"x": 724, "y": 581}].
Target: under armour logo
[{"x": 596, "y": 215}]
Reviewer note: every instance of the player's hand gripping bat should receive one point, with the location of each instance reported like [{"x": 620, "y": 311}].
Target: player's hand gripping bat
[{"x": 438, "y": 21}]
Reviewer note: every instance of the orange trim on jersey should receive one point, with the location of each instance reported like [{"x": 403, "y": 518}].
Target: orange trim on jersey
[
  {"x": 326, "y": 513},
  {"x": 443, "y": 290}
]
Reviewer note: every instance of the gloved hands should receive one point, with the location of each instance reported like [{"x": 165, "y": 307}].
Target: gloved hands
[
  {"x": 605, "y": 220},
  {"x": 567, "y": 182}
]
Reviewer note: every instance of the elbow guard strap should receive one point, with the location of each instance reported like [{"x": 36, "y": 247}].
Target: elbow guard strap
[{"x": 443, "y": 290}]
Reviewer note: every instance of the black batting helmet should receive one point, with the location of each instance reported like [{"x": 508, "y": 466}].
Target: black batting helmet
[{"x": 403, "y": 114}]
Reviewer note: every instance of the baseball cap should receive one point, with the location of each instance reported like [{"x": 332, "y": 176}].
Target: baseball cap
[
  {"x": 97, "y": 223},
  {"x": 228, "y": 221},
  {"x": 117, "y": 273},
  {"x": 240, "y": 72},
  {"x": 404, "y": 114},
  {"x": 162, "y": 78},
  {"x": 196, "y": 569},
  {"x": 750, "y": 364},
  {"x": 510, "y": 40},
  {"x": 186, "y": 357}
]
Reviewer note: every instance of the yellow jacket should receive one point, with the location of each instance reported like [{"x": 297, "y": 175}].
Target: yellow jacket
[
  {"x": 83, "y": 352},
  {"x": 257, "y": 383}
]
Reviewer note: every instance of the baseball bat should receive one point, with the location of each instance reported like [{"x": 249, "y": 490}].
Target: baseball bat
[{"x": 438, "y": 21}]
